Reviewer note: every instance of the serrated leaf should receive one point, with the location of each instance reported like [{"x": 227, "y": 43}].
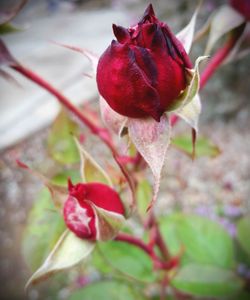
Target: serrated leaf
[
  {"x": 207, "y": 281},
  {"x": 151, "y": 139},
  {"x": 44, "y": 227},
  {"x": 186, "y": 35},
  {"x": 108, "y": 224},
  {"x": 90, "y": 170},
  {"x": 125, "y": 259},
  {"x": 223, "y": 21},
  {"x": 107, "y": 290},
  {"x": 205, "y": 241},
  {"x": 68, "y": 251},
  {"x": 204, "y": 146},
  {"x": 61, "y": 145},
  {"x": 243, "y": 230},
  {"x": 111, "y": 118}
]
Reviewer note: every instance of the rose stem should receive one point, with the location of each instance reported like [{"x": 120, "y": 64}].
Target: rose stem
[
  {"x": 218, "y": 58},
  {"x": 123, "y": 237},
  {"x": 157, "y": 237},
  {"x": 102, "y": 133}
]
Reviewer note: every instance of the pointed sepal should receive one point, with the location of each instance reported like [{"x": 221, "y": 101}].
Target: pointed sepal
[{"x": 68, "y": 251}]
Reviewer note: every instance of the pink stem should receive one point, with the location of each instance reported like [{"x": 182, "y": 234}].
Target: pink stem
[
  {"x": 123, "y": 237},
  {"x": 102, "y": 133},
  {"x": 148, "y": 249},
  {"x": 217, "y": 59}
]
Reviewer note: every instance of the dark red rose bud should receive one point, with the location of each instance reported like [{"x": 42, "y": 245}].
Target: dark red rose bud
[
  {"x": 144, "y": 71},
  {"x": 243, "y": 7},
  {"x": 79, "y": 209}
]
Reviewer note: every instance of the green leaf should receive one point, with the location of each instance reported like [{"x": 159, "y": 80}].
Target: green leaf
[
  {"x": 243, "y": 230},
  {"x": 204, "y": 241},
  {"x": 62, "y": 177},
  {"x": 68, "y": 251},
  {"x": 107, "y": 290},
  {"x": 203, "y": 147},
  {"x": 143, "y": 196},
  {"x": 8, "y": 28},
  {"x": 43, "y": 229},
  {"x": 91, "y": 171},
  {"x": 61, "y": 144},
  {"x": 207, "y": 281},
  {"x": 243, "y": 296},
  {"x": 126, "y": 259}
]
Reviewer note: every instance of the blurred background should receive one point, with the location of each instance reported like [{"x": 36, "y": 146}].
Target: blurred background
[{"x": 27, "y": 111}]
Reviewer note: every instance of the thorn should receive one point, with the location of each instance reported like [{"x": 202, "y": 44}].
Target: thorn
[
  {"x": 70, "y": 184},
  {"x": 21, "y": 164},
  {"x": 194, "y": 136}
]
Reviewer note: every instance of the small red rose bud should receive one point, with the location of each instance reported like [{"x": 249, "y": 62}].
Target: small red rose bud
[
  {"x": 143, "y": 72},
  {"x": 243, "y": 7},
  {"x": 79, "y": 212}
]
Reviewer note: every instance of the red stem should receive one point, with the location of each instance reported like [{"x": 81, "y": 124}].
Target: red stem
[
  {"x": 123, "y": 237},
  {"x": 157, "y": 236},
  {"x": 102, "y": 133},
  {"x": 148, "y": 249},
  {"x": 63, "y": 100},
  {"x": 217, "y": 59}
]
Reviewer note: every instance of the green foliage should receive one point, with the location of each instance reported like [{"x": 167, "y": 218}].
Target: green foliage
[
  {"x": 62, "y": 177},
  {"x": 43, "y": 229},
  {"x": 8, "y": 28},
  {"x": 107, "y": 290},
  {"x": 126, "y": 259},
  {"x": 143, "y": 196},
  {"x": 204, "y": 241},
  {"x": 203, "y": 146},
  {"x": 61, "y": 144},
  {"x": 91, "y": 171},
  {"x": 243, "y": 230},
  {"x": 207, "y": 281}
]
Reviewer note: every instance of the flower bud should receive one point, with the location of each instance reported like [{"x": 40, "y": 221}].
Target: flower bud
[
  {"x": 79, "y": 209},
  {"x": 143, "y": 72},
  {"x": 243, "y": 7}
]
